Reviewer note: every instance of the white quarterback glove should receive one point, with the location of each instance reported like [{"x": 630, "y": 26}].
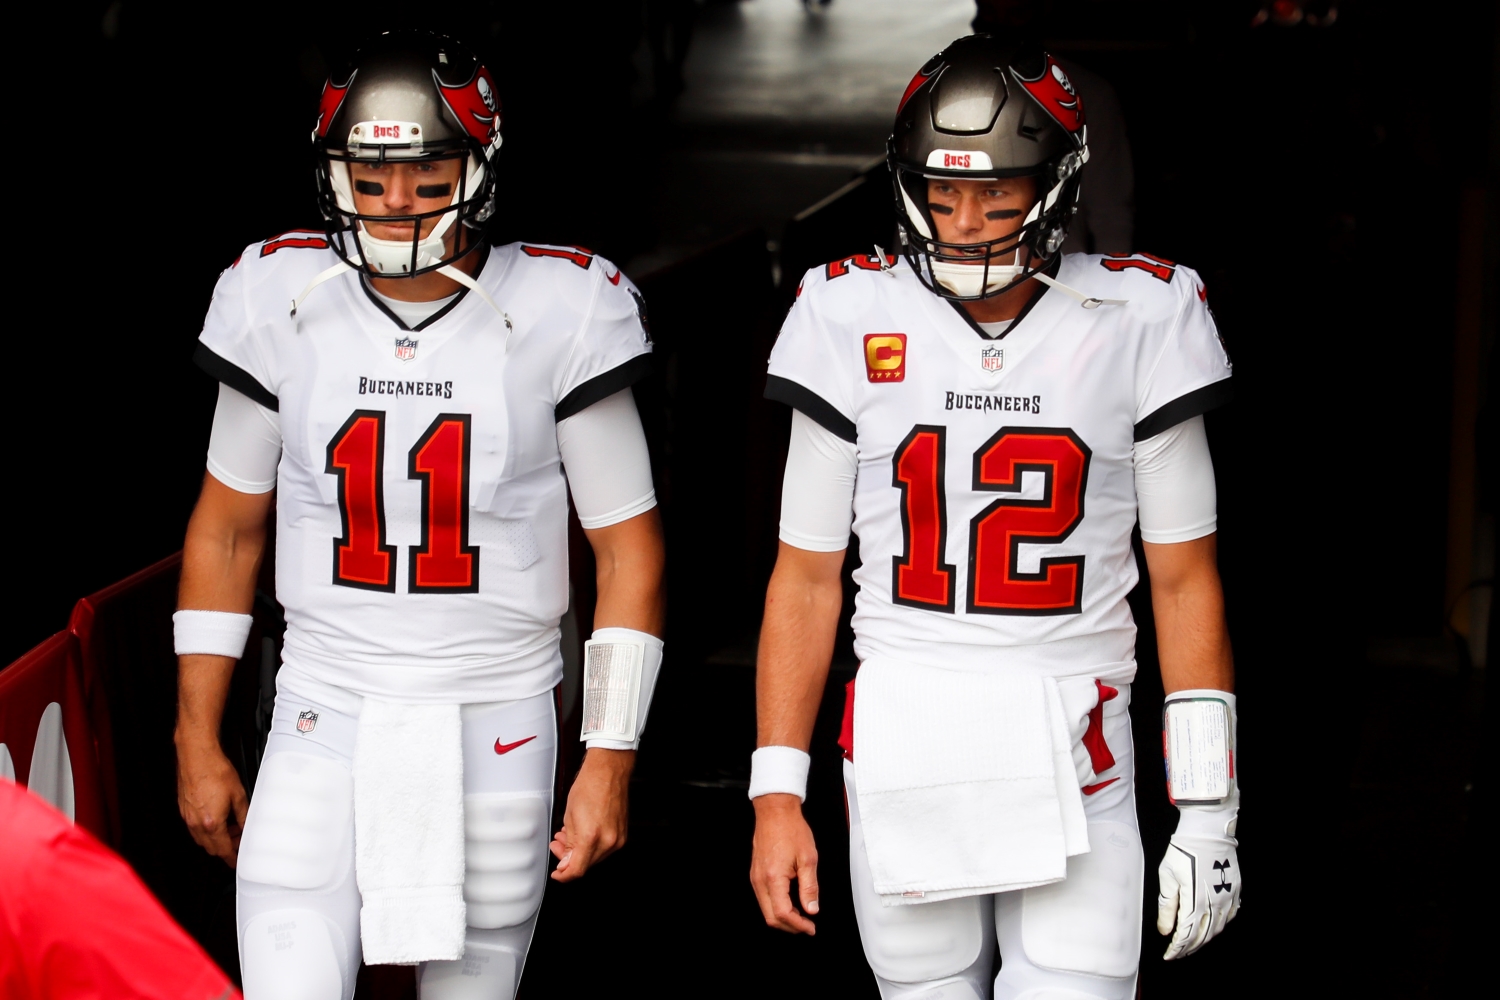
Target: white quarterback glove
[{"x": 1200, "y": 874}]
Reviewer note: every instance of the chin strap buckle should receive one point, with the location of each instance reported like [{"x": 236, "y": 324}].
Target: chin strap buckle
[
  {"x": 1087, "y": 301},
  {"x": 448, "y": 270},
  {"x": 332, "y": 272}
]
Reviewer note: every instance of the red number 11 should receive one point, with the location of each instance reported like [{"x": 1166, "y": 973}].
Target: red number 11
[{"x": 445, "y": 562}]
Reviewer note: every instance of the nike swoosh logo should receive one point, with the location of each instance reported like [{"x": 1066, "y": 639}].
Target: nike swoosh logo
[
  {"x": 615, "y": 278},
  {"x": 508, "y": 747},
  {"x": 1087, "y": 789}
]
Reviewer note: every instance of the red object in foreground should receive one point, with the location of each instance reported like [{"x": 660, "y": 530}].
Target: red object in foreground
[{"x": 76, "y": 922}]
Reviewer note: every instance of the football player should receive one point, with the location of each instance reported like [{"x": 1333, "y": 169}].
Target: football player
[
  {"x": 422, "y": 405},
  {"x": 993, "y": 419}
]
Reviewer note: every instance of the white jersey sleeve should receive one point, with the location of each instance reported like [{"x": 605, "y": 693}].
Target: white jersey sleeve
[
  {"x": 1174, "y": 484},
  {"x": 608, "y": 466},
  {"x": 1187, "y": 372},
  {"x": 808, "y": 370},
  {"x": 612, "y": 350},
  {"x": 231, "y": 347},
  {"x": 244, "y": 446},
  {"x": 817, "y": 492}
]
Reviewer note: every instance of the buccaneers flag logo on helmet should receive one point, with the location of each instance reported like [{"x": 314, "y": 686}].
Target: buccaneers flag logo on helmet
[
  {"x": 475, "y": 105},
  {"x": 1055, "y": 93}
]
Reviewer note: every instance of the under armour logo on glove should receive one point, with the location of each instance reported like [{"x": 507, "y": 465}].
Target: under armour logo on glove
[{"x": 1222, "y": 867}]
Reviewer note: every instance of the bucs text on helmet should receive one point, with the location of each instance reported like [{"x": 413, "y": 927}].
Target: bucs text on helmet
[
  {"x": 981, "y": 109},
  {"x": 407, "y": 96}
]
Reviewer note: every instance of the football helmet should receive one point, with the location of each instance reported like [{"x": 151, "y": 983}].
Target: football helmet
[
  {"x": 407, "y": 96},
  {"x": 983, "y": 108}
]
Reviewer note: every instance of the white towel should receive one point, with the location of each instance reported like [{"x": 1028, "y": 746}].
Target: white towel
[
  {"x": 409, "y": 832},
  {"x": 967, "y": 782}
]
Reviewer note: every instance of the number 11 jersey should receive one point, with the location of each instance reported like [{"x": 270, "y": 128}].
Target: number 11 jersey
[
  {"x": 421, "y": 546},
  {"x": 995, "y": 495}
]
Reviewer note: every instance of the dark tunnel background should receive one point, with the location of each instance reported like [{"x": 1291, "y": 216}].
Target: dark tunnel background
[{"x": 1336, "y": 188}]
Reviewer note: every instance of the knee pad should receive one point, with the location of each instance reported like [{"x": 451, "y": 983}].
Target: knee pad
[
  {"x": 300, "y": 830},
  {"x": 489, "y": 970},
  {"x": 292, "y": 955},
  {"x": 1089, "y": 923},
  {"x": 948, "y": 989},
  {"x": 505, "y": 843},
  {"x": 1058, "y": 993}
]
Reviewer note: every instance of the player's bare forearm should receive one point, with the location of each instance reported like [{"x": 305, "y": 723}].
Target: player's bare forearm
[
  {"x": 226, "y": 539},
  {"x": 631, "y": 558},
  {"x": 796, "y": 644},
  {"x": 221, "y": 556},
  {"x": 1192, "y": 638}
]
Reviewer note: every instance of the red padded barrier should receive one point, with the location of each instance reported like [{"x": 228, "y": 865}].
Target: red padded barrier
[
  {"x": 101, "y": 622},
  {"x": 52, "y": 672}
]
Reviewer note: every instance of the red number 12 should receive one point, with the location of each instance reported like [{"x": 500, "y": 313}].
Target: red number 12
[{"x": 919, "y": 577}]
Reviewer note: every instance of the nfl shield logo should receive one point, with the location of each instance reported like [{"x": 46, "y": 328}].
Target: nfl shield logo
[
  {"x": 307, "y": 721},
  {"x": 992, "y": 359},
  {"x": 406, "y": 349}
]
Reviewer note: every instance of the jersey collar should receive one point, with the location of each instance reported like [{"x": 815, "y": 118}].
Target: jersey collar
[{"x": 364, "y": 284}]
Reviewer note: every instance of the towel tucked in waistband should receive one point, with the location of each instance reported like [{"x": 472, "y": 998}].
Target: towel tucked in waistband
[
  {"x": 409, "y": 832},
  {"x": 968, "y": 782}
]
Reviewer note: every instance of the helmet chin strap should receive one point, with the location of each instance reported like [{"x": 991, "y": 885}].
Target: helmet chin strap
[
  {"x": 1087, "y": 301},
  {"x": 971, "y": 280},
  {"x": 447, "y": 270},
  {"x": 966, "y": 279}
]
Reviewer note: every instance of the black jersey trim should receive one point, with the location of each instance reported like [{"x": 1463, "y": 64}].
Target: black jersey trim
[
  {"x": 234, "y": 376},
  {"x": 1036, "y": 296},
  {"x": 463, "y": 290},
  {"x": 602, "y": 386},
  {"x": 799, "y": 397},
  {"x": 1185, "y": 407}
]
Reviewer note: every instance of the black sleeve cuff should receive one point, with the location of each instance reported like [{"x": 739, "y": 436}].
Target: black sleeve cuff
[
  {"x": 1186, "y": 407},
  {"x": 602, "y": 386},
  {"x": 234, "y": 376},
  {"x": 799, "y": 397}
]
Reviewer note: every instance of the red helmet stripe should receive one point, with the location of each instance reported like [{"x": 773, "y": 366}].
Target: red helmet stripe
[
  {"x": 914, "y": 86},
  {"x": 328, "y": 104}
]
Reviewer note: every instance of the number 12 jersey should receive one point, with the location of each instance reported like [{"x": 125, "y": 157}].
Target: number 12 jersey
[{"x": 995, "y": 494}]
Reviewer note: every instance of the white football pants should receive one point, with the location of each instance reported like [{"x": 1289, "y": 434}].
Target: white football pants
[
  {"x": 299, "y": 931},
  {"x": 1078, "y": 939}
]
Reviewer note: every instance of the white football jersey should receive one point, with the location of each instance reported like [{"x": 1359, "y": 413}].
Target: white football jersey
[
  {"x": 421, "y": 508},
  {"x": 995, "y": 495}
]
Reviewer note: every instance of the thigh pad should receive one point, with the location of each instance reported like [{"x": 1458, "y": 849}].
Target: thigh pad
[
  {"x": 300, "y": 830},
  {"x": 1090, "y": 923},
  {"x": 505, "y": 840}
]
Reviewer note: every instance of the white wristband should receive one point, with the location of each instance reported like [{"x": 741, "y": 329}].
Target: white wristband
[
  {"x": 218, "y": 633},
  {"x": 1198, "y": 741},
  {"x": 620, "y": 667},
  {"x": 779, "y": 771}
]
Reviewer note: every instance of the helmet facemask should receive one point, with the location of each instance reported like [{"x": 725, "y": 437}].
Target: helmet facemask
[
  {"x": 968, "y": 272},
  {"x": 471, "y": 204}
]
